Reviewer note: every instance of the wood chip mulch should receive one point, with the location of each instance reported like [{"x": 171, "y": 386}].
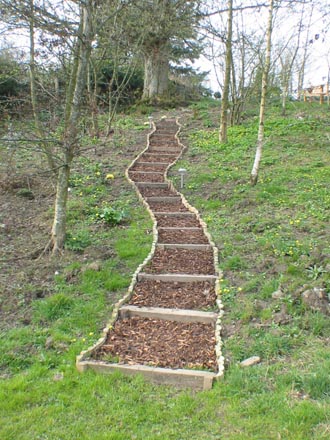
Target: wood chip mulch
[
  {"x": 157, "y": 192},
  {"x": 198, "y": 295},
  {"x": 164, "y": 221},
  {"x": 149, "y": 167},
  {"x": 158, "y": 158},
  {"x": 182, "y": 236},
  {"x": 182, "y": 261},
  {"x": 167, "y": 207},
  {"x": 167, "y": 150},
  {"x": 160, "y": 343},
  {"x": 165, "y": 343},
  {"x": 146, "y": 177}
]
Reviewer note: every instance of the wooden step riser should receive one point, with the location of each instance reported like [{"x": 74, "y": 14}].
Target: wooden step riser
[
  {"x": 196, "y": 380},
  {"x": 169, "y": 228},
  {"x": 164, "y": 150},
  {"x": 152, "y": 185},
  {"x": 188, "y": 246},
  {"x": 175, "y": 214},
  {"x": 145, "y": 172},
  {"x": 185, "y": 278},
  {"x": 151, "y": 164},
  {"x": 178, "y": 315},
  {"x": 166, "y": 199}
]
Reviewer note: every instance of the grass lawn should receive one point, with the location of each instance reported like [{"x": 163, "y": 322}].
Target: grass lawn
[{"x": 271, "y": 237}]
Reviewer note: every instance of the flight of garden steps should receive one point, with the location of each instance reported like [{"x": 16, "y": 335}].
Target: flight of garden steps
[{"x": 163, "y": 150}]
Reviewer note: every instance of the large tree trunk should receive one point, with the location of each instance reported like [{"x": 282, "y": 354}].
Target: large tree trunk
[
  {"x": 59, "y": 223},
  {"x": 156, "y": 69},
  {"x": 73, "y": 114},
  {"x": 225, "y": 93},
  {"x": 260, "y": 141}
]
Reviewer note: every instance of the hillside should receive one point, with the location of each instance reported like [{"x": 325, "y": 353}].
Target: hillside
[{"x": 273, "y": 242}]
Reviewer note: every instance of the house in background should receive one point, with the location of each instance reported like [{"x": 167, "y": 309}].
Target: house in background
[{"x": 319, "y": 92}]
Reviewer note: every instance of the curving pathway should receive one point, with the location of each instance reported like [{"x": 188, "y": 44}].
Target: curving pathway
[{"x": 168, "y": 325}]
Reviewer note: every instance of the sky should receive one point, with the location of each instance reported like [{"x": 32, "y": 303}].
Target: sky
[{"x": 318, "y": 62}]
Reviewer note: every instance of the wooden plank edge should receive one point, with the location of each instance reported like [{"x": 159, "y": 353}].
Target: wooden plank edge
[
  {"x": 189, "y": 246},
  {"x": 179, "y": 378},
  {"x": 176, "y": 277},
  {"x": 178, "y": 315}
]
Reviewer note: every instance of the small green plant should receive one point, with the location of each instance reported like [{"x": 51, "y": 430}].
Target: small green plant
[
  {"x": 26, "y": 193},
  {"x": 315, "y": 271},
  {"x": 77, "y": 242},
  {"x": 110, "y": 215}
]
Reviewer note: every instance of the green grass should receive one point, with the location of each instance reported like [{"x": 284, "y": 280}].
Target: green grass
[{"x": 270, "y": 236}]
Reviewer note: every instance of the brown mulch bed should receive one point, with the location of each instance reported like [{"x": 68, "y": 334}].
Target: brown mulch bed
[
  {"x": 158, "y": 158},
  {"x": 156, "y": 342},
  {"x": 163, "y": 137},
  {"x": 160, "y": 343},
  {"x": 164, "y": 221},
  {"x": 167, "y": 149},
  {"x": 149, "y": 167},
  {"x": 167, "y": 207},
  {"x": 182, "y": 236},
  {"x": 197, "y": 295},
  {"x": 157, "y": 192},
  {"x": 146, "y": 177},
  {"x": 184, "y": 261}
]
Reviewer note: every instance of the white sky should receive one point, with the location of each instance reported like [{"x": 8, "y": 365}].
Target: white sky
[{"x": 318, "y": 62}]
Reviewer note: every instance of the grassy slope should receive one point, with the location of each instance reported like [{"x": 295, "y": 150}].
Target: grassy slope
[{"x": 269, "y": 236}]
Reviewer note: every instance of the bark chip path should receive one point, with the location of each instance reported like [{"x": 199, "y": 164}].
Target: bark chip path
[{"x": 168, "y": 325}]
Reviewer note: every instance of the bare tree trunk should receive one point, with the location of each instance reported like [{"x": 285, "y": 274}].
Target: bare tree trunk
[
  {"x": 265, "y": 73},
  {"x": 33, "y": 93},
  {"x": 73, "y": 115},
  {"x": 92, "y": 98},
  {"x": 287, "y": 65},
  {"x": 156, "y": 69},
  {"x": 225, "y": 94},
  {"x": 301, "y": 73}
]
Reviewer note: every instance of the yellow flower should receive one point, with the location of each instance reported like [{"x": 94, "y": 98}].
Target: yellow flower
[{"x": 109, "y": 176}]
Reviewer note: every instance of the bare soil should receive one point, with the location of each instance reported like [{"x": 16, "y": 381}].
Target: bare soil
[
  {"x": 161, "y": 344},
  {"x": 26, "y": 199},
  {"x": 190, "y": 296}
]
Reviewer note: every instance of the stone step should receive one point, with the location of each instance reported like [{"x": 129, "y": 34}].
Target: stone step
[
  {"x": 179, "y": 378},
  {"x": 189, "y": 246},
  {"x": 175, "y": 277},
  {"x": 179, "y": 315}
]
